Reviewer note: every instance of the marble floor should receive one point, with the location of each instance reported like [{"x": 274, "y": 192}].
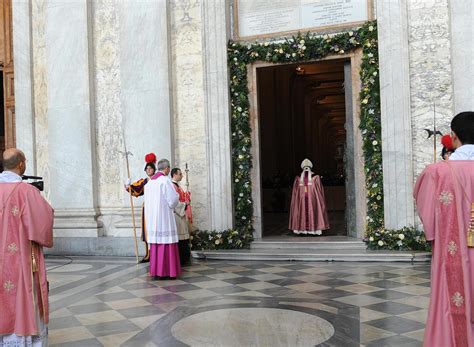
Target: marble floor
[{"x": 112, "y": 302}]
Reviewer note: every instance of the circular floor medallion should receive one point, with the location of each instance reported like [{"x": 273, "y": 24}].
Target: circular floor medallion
[{"x": 252, "y": 327}]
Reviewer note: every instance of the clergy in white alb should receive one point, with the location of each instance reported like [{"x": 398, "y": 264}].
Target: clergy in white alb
[{"x": 160, "y": 200}]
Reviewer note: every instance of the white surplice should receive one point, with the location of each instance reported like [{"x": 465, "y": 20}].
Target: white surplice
[
  {"x": 160, "y": 200},
  {"x": 465, "y": 152}
]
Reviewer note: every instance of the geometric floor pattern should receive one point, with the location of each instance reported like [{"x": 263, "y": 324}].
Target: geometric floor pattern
[{"x": 98, "y": 301}]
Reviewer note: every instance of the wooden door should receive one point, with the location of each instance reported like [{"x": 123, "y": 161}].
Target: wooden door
[{"x": 6, "y": 62}]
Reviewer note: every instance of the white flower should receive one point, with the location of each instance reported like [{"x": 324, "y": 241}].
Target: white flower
[
  {"x": 401, "y": 236},
  {"x": 380, "y": 243},
  {"x": 241, "y": 156},
  {"x": 241, "y": 194},
  {"x": 241, "y": 167},
  {"x": 302, "y": 42},
  {"x": 239, "y": 109},
  {"x": 293, "y": 54},
  {"x": 341, "y": 51},
  {"x": 371, "y": 239},
  {"x": 371, "y": 111},
  {"x": 351, "y": 33},
  {"x": 375, "y": 143},
  {"x": 375, "y": 73},
  {"x": 266, "y": 44},
  {"x": 365, "y": 101},
  {"x": 371, "y": 28},
  {"x": 379, "y": 197},
  {"x": 370, "y": 55},
  {"x": 303, "y": 48},
  {"x": 236, "y": 180},
  {"x": 399, "y": 243},
  {"x": 280, "y": 51},
  {"x": 244, "y": 218},
  {"x": 375, "y": 185},
  {"x": 243, "y": 149},
  {"x": 217, "y": 242}
]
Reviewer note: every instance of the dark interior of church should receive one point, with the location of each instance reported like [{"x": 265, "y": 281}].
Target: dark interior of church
[{"x": 301, "y": 115}]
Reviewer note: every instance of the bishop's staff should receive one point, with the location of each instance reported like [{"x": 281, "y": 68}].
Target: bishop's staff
[{"x": 126, "y": 154}]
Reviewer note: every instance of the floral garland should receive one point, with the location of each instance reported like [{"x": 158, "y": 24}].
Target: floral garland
[
  {"x": 227, "y": 239},
  {"x": 303, "y": 48},
  {"x": 405, "y": 239}
]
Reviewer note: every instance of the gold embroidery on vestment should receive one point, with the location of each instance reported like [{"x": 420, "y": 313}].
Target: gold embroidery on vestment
[
  {"x": 12, "y": 248},
  {"x": 457, "y": 299},
  {"x": 452, "y": 248},
  {"x": 15, "y": 211},
  {"x": 8, "y": 286},
  {"x": 446, "y": 198}
]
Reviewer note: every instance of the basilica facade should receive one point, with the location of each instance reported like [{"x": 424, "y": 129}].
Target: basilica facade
[{"x": 99, "y": 82}]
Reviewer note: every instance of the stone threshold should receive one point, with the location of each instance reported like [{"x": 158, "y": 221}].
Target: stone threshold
[{"x": 322, "y": 255}]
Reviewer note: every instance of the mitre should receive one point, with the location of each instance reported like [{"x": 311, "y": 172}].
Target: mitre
[{"x": 306, "y": 164}]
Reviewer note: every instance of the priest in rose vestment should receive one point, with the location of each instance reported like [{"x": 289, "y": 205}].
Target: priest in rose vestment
[
  {"x": 444, "y": 194},
  {"x": 308, "y": 214},
  {"x": 26, "y": 227},
  {"x": 160, "y": 200}
]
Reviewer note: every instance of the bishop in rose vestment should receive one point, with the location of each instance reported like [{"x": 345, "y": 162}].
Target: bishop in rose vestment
[
  {"x": 160, "y": 200},
  {"x": 308, "y": 214},
  {"x": 444, "y": 193},
  {"x": 26, "y": 226}
]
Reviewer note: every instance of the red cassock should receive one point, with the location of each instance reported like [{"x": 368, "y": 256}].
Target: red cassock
[{"x": 308, "y": 205}]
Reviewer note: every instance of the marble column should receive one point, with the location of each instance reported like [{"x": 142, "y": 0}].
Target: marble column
[
  {"x": 189, "y": 107},
  {"x": 396, "y": 113},
  {"x": 215, "y": 35},
  {"x": 462, "y": 54},
  {"x": 431, "y": 78},
  {"x": 22, "y": 53},
  {"x": 71, "y": 143},
  {"x": 144, "y": 71}
]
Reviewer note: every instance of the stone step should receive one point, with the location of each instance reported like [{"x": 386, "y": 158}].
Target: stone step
[
  {"x": 313, "y": 255},
  {"x": 313, "y": 245}
]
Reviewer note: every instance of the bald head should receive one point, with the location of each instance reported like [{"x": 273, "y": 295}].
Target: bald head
[{"x": 14, "y": 160}]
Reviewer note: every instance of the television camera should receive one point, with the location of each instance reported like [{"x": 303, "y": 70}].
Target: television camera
[{"x": 37, "y": 181}]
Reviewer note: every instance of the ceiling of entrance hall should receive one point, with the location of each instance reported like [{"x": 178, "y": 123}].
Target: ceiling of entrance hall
[{"x": 324, "y": 85}]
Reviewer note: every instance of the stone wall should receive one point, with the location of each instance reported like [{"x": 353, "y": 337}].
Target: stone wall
[{"x": 96, "y": 76}]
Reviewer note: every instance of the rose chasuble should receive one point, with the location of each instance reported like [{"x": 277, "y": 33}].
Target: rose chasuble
[
  {"x": 444, "y": 194},
  {"x": 26, "y": 226}
]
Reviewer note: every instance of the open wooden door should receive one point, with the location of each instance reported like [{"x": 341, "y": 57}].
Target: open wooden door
[{"x": 7, "y": 134}]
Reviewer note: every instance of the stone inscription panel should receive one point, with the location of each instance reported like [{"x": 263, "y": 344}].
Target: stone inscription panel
[{"x": 263, "y": 17}]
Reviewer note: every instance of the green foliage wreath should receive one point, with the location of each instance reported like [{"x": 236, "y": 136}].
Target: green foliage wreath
[{"x": 298, "y": 49}]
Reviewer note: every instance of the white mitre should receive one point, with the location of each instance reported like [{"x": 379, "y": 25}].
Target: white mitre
[{"x": 306, "y": 165}]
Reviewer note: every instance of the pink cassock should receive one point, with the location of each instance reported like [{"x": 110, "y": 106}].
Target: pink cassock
[
  {"x": 444, "y": 193},
  {"x": 26, "y": 225},
  {"x": 308, "y": 205}
]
